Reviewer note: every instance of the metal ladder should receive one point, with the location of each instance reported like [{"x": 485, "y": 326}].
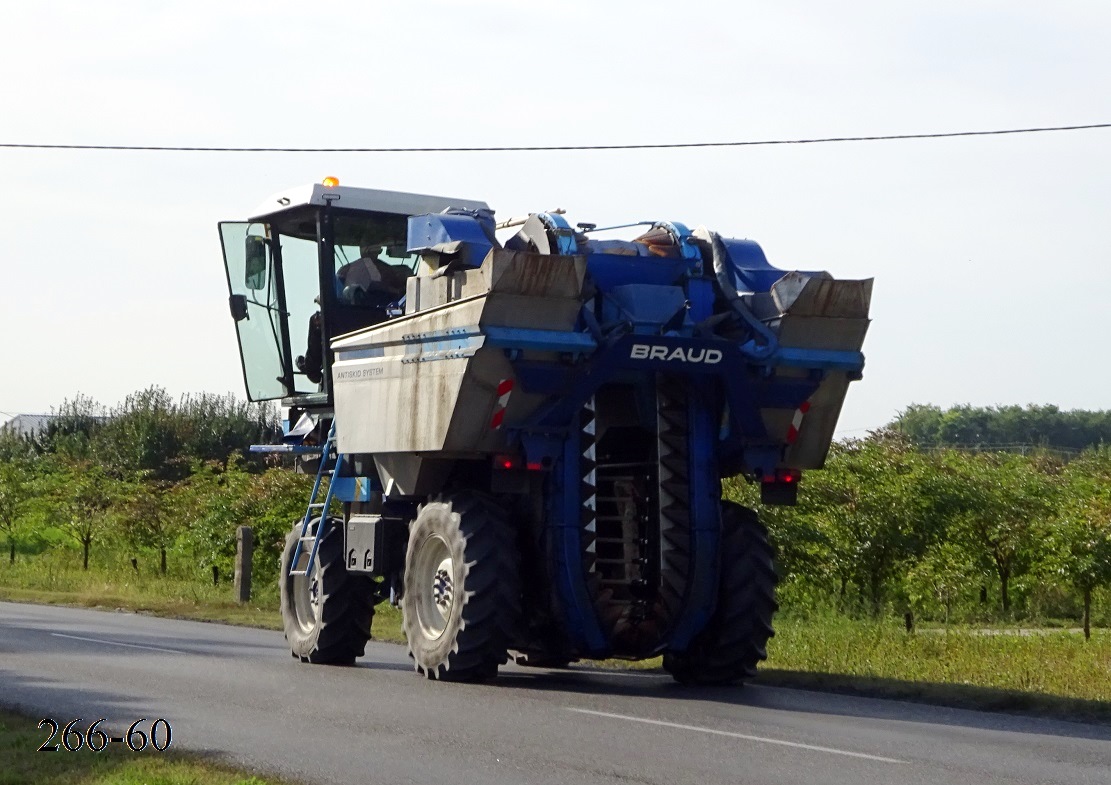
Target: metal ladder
[{"x": 321, "y": 507}]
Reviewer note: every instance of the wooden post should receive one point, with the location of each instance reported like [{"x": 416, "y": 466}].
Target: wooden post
[{"x": 244, "y": 550}]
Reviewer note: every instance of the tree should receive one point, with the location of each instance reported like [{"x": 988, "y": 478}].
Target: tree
[
  {"x": 16, "y": 490},
  {"x": 999, "y": 506},
  {"x": 217, "y": 499},
  {"x": 73, "y": 429},
  {"x": 941, "y": 576},
  {"x": 152, "y": 516},
  {"x": 152, "y": 433},
  {"x": 85, "y": 496},
  {"x": 1080, "y": 537},
  {"x": 863, "y": 515}
]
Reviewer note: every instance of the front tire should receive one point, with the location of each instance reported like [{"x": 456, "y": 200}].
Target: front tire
[
  {"x": 461, "y": 596},
  {"x": 735, "y": 639},
  {"x": 326, "y": 613}
]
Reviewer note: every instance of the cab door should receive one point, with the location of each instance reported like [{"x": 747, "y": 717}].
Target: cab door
[{"x": 257, "y": 301}]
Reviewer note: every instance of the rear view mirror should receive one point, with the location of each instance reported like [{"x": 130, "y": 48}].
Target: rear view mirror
[
  {"x": 255, "y": 254},
  {"x": 238, "y": 304}
]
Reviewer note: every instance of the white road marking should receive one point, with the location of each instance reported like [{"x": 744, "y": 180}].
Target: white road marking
[
  {"x": 745, "y": 736},
  {"x": 116, "y": 643},
  {"x": 623, "y": 674}
]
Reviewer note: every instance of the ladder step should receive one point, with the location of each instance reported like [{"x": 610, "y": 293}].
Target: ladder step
[{"x": 307, "y": 543}]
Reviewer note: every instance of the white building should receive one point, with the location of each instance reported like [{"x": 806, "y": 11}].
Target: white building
[{"x": 26, "y": 424}]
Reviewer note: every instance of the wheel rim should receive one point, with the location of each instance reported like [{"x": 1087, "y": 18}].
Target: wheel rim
[
  {"x": 435, "y": 573},
  {"x": 306, "y": 599}
]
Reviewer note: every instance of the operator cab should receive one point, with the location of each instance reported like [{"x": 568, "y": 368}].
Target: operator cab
[{"x": 314, "y": 263}]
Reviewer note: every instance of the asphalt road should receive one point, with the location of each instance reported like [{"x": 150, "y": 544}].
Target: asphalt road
[{"x": 237, "y": 693}]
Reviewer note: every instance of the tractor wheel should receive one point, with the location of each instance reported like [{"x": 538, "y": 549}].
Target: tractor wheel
[
  {"x": 326, "y": 613},
  {"x": 462, "y": 593},
  {"x": 735, "y": 639}
]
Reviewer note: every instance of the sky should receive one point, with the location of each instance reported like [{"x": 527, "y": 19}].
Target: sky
[{"x": 991, "y": 267}]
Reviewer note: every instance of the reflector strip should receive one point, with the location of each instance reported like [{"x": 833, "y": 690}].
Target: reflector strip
[
  {"x": 796, "y": 422},
  {"x": 505, "y": 388}
]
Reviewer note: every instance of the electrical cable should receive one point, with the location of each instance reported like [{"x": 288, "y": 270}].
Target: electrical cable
[{"x": 547, "y": 148}]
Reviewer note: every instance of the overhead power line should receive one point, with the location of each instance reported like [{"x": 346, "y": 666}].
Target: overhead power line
[{"x": 546, "y": 148}]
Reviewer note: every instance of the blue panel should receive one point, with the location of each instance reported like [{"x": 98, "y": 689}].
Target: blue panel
[
  {"x": 748, "y": 386},
  {"x": 428, "y": 231},
  {"x": 354, "y": 489},
  {"x": 646, "y": 304},
  {"x": 610, "y": 270},
  {"x": 818, "y": 358},
  {"x": 552, "y": 379},
  {"x": 700, "y": 292},
  {"x": 539, "y": 340},
  {"x": 543, "y": 448},
  {"x": 751, "y": 271}
]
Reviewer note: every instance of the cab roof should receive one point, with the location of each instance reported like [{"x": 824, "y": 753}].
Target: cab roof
[{"x": 365, "y": 199}]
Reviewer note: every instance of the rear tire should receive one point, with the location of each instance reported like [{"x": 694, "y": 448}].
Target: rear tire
[
  {"x": 735, "y": 639},
  {"x": 327, "y": 613},
  {"x": 462, "y": 591}
]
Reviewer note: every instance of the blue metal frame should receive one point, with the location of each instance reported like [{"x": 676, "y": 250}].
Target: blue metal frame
[
  {"x": 540, "y": 340},
  {"x": 285, "y": 449},
  {"x": 748, "y": 388}
]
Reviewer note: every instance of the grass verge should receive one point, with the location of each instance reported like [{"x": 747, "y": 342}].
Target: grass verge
[
  {"x": 263, "y": 615},
  {"x": 214, "y": 610},
  {"x": 20, "y": 740},
  {"x": 1055, "y": 673},
  {"x": 960, "y": 696},
  {"x": 1055, "y": 663}
]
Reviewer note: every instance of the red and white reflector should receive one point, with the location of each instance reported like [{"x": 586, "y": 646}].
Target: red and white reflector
[
  {"x": 505, "y": 388},
  {"x": 796, "y": 422}
]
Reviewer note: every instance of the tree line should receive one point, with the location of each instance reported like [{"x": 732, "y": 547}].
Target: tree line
[
  {"x": 152, "y": 475},
  {"x": 1004, "y": 426},
  {"x": 895, "y": 522},
  {"x": 889, "y": 525}
]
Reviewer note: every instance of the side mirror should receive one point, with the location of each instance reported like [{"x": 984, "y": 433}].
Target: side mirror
[
  {"x": 238, "y": 305},
  {"x": 255, "y": 255}
]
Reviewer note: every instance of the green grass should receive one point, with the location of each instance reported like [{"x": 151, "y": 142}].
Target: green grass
[
  {"x": 20, "y": 740},
  {"x": 224, "y": 611},
  {"x": 1057, "y": 673},
  {"x": 1054, "y": 663},
  {"x": 55, "y": 577}
]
